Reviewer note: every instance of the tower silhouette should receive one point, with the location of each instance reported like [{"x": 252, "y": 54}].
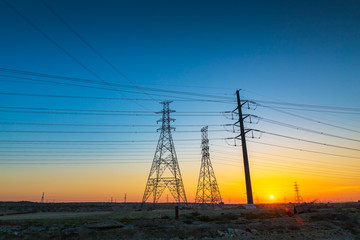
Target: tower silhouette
[
  {"x": 42, "y": 198},
  {"x": 298, "y": 197},
  {"x": 165, "y": 171},
  {"x": 207, "y": 189}
]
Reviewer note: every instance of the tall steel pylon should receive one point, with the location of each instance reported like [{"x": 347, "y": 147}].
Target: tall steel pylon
[
  {"x": 165, "y": 171},
  {"x": 298, "y": 197},
  {"x": 42, "y": 198},
  {"x": 207, "y": 189}
]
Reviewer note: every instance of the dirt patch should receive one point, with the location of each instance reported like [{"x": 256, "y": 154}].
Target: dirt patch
[{"x": 235, "y": 222}]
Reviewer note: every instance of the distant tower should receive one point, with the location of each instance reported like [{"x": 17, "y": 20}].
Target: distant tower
[
  {"x": 125, "y": 198},
  {"x": 207, "y": 189},
  {"x": 42, "y": 198},
  {"x": 165, "y": 171},
  {"x": 298, "y": 197}
]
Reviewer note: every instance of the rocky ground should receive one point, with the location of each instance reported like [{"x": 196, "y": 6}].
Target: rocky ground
[{"x": 128, "y": 221}]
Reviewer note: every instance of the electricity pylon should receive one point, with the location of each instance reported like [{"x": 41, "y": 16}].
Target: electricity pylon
[
  {"x": 165, "y": 171},
  {"x": 298, "y": 197},
  {"x": 42, "y": 197},
  {"x": 207, "y": 189}
]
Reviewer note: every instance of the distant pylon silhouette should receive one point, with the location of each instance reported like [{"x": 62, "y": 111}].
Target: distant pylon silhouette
[
  {"x": 42, "y": 197},
  {"x": 207, "y": 189},
  {"x": 298, "y": 197},
  {"x": 165, "y": 171}
]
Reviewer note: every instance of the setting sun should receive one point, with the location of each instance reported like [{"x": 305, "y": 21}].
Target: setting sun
[{"x": 271, "y": 196}]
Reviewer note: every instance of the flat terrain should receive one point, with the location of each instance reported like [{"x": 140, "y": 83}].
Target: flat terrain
[{"x": 25, "y": 220}]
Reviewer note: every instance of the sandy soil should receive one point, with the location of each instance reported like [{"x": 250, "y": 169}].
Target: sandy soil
[{"x": 325, "y": 221}]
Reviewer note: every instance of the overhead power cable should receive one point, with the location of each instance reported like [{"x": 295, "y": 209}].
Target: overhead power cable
[
  {"x": 91, "y": 46},
  {"x": 99, "y": 132},
  {"x": 303, "y": 160},
  {"x": 304, "y": 150},
  {"x": 178, "y": 99},
  {"x": 306, "y": 140},
  {"x": 63, "y": 49},
  {"x": 96, "y": 112},
  {"x": 82, "y": 80},
  {"x": 319, "y": 110},
  {"x": 306, "y": 129},
  {"x": 102, "y": 125},
  {"x": 308, "y": 105},
  {"x": 97, "y": 141},
  {"x": 310, "y": 119}
]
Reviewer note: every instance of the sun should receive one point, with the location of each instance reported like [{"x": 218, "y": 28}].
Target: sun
[{"x": 271, "y": 196}]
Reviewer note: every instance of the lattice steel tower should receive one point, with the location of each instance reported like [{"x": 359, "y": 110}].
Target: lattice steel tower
[
  {"x": 207, "y": 189},
  {"x": 298, "y": 197},
  {"x": 165, "y": 171}
]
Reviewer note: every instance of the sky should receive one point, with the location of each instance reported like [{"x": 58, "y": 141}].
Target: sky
[{"x": 131, "y": 55}]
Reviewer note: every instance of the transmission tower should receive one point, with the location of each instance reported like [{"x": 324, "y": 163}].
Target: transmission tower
[
  {"x": 42, "y": 197},
  {"x": 165, "y": 171},
  {"x": 298, "y": 197},
  {"x": 207, "y": 189}
]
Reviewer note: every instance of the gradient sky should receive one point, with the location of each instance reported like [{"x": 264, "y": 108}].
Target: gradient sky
[{"x": 304, "y": 52}]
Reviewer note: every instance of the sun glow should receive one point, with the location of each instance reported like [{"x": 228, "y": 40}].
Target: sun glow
[{"x": 271, "y": 196}]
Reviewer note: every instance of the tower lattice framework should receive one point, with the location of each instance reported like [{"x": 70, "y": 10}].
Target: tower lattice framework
[
  {"x": 207, "y": 189},
  {"x": 298, "y": 197},
  {"x": 165, "y": 171}
]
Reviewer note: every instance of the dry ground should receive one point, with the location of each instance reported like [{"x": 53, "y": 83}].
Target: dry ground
[{"x": 119, "y": 221}]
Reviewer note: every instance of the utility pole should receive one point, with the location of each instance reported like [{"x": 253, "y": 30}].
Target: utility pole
[
  {"x": 125, "y": 198},
  {"x": 244, "y": 150}
]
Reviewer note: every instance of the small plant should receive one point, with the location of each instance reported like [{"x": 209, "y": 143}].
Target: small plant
[
  {"x": 195, "y": 214},
  {"x": 204, "y": 218},
  {"x": 125, "y": 220}
]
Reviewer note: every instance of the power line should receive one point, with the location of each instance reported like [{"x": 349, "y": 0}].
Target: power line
[
  {"x": 302, "y": 159},
  {"x": 91, "y": 46},
  {"x": 99, "y": 132},
  {"x": 319, "y": 110},
  {"x": 82, "y": 80},
  {"x": 304, "y": 150},
  {"x": 310, "y": 119},
  {"x": 100, "y": 125},
  {"x": 306, "y": 129},
  {"x": 178, "y": 99},
  {"x": 308, "y": 141},
  {"x": 62, "y": 49},
  {"x": 96, "y": 141},
  {"x": 280, "y": 168},
  {"x": 96, "y": 112},
  {"x": 308, "y": 105},
  {"x": 100, "y": 110}
]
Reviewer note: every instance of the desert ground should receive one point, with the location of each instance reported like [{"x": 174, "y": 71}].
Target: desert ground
[{"x": 27, "y": 220}]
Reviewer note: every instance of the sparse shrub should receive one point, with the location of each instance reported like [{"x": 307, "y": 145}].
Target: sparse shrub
[
  {"x": 293, "y": 227},
  {"x": 204, "y": 218},
  {"x": 165, "y": 217},
  {"x": 187, "y": 221},
  {"x": 125, "y": 220},
  {"x": 195, "y": 214}
]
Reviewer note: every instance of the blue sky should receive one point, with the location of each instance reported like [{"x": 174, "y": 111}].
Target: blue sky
[{"x": 304, "y": 52}]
